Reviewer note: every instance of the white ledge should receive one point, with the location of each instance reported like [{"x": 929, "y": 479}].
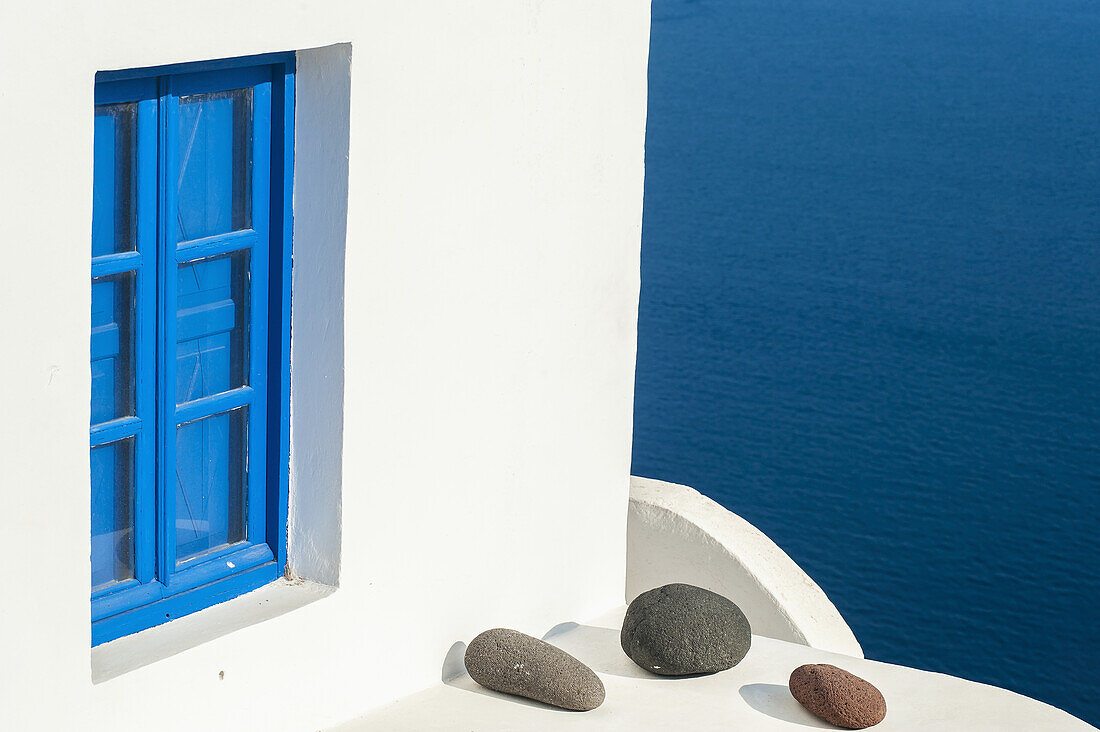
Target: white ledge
[
  {"x": 676, "y": 534},
  {"x": 753, "y": 695},
  {"x": 132, "y": 652}
]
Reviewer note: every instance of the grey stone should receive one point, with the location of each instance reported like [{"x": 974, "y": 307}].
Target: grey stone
[
  {"x": 679, "y": 629},
  {"x": 516, "y": 663}
]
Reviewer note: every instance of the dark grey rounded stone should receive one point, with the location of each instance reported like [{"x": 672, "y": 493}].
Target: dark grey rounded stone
[
  {"x": 516, "y": 663},
  {"x": 681, "y": 629}
]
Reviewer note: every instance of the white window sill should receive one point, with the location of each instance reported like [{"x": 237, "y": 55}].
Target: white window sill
[{"x": 131, "y": 652}]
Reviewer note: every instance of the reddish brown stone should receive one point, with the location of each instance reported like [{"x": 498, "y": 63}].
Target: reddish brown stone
[{"x": 837, "y": 696}]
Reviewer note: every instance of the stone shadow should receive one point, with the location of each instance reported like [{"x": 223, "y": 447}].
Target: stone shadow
[
  {"x": 775, "y": 700},
  {"x": 599, "y": 649}
]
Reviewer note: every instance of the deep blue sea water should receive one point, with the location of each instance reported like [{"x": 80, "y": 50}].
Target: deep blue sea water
[{"x": 870, "y": 314}]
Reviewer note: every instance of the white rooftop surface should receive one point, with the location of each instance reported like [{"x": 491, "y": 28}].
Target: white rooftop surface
[{"x": 751, "y": 696}]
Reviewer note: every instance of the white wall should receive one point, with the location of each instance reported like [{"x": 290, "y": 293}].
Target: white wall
[{"x": 495, "y": 183}]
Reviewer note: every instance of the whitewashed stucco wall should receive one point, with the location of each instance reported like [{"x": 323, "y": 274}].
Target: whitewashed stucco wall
[{"x": 495, "y": 190}]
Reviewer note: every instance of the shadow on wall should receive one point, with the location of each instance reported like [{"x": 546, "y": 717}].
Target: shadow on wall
[{"x": 321, "y": 144}]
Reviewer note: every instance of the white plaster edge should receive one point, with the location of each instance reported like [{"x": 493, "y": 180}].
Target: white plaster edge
[
  {"x": 322, "y": 138},
  {"x": 676, "y": 534},
  {"x": 132, "y": 652}
]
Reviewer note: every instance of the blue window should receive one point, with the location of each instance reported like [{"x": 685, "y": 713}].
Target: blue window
[{"x": 190, "y": 337}]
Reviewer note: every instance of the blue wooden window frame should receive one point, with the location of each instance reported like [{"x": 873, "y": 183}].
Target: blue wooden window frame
[{"x": 160, "y": 589}]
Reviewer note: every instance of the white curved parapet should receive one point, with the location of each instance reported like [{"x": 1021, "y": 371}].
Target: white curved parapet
[{"x": 676, "y": 534}]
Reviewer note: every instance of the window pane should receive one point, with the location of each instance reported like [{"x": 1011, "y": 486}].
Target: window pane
[
  {"x": 113, "y": 187},
  {"x": 112, "y": 513},
  {"x": 212, "y": 326},
  {"x": 215, "y": 163},
  {"x": 210, "y": 483},
  {"x": 112, "y": 347}
]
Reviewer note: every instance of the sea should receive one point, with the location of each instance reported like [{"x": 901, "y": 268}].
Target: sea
[{"x": 870, "y": 313}]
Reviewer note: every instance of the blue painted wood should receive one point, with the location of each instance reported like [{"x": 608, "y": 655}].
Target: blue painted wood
[
  {"x": 131, "y": 595},
  {"x": 116, "y": 263},
  {"x": 114, "y": 424},
  {"x": 204, "y": 82},
  {"x": 200, "y": 573},
  {"x": 128, "y": 90},
  {"x": 215, "y": 404},
  {"x": 145, "y": 341},
  {"x": 211, "y": 314},
  {"x": 279, "y": 354},
  {"x": 282, "y": 61},
  {"x": 116, "y": 429},
  {"x": 214, "y": 565},
  {"x": 212, "y": 246},
  {"x": 217, "y": 502},
  {"x": 167, "y": 187},
  {"x": 261, "y": 198},
  {"x": 155, "y": 612}
]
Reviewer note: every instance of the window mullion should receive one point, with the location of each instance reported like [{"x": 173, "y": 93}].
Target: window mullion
[
  {"x": 145, "y": 343},
  {"x": 166, "y": 328},
  {"x": 258, "y": 312}
]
